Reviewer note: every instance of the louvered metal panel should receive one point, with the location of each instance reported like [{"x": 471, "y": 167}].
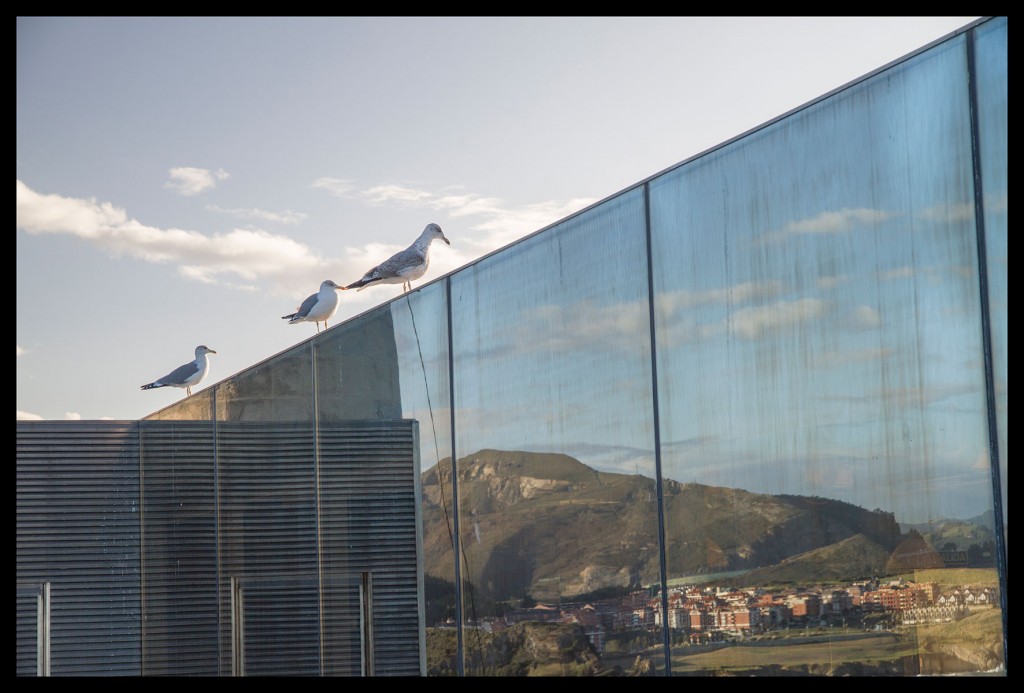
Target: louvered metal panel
[
  {"x": 179, "y": 549},
  {"x": 266, "y": 475},
  {"x": 217, "y": 504},
  {"x": 78, "y": 529},
  {"x": 369, "y": 492}
]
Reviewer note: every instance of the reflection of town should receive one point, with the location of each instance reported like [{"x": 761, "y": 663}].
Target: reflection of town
[{"x": 716, "y": 614}]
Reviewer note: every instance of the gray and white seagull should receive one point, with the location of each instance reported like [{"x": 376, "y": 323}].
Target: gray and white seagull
[
  {"x": 318, "y": 307},
  {"x": 188, "y": 375},
  {"x": 406, "y": 266}
]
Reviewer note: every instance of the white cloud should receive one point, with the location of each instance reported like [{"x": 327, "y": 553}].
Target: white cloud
[
  {"x": 248, "y": 254},
  {"x": 496, "y": 224},
  {"x": 26, "y": 416},
  {"x": 241, "y": 257},
  {"x": 339, "y": 187},
  {"x": 285, "y": 217},
  {"x": 72, "y": 416},
  {"x": 499, "y": 223},
  {"x": 192, "y": 181},
  {"x": 20, "y": 350},
  {"x": 384, "y": 194}
]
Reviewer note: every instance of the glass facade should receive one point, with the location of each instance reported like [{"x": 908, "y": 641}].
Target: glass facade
[{"x": 747, "y": 417}]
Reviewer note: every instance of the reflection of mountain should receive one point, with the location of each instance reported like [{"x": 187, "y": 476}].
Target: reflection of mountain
[
  {"x": 548, "y": 526},
  {"x": 953, "y": 534}
]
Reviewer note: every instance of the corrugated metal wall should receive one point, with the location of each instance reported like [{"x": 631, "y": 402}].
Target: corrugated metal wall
[
  {"x": 78, "y": 529},
  {"x": 369, "y": 508},
  {"x": 149, "y": 583},
  {"x": 179, "y": 549}
]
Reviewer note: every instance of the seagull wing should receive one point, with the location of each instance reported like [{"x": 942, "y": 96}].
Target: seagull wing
[
  {"x": 303, "y": 309},
  {"x": 406, "y": 262},
  {"x": 180, "y": 375},
  {"x": 410, "y": 261}
]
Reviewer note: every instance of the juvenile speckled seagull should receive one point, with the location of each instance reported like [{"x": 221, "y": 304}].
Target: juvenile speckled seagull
[
  {"x": 188, "y": 375},
  {"x": 317, "y": 308},
  {"x": 406, "y": 266}
]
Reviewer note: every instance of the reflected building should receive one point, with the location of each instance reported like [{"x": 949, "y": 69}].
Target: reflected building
[{"x": 760, "y": 395}]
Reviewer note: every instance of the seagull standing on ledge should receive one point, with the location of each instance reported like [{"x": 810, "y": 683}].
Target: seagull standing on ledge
[
  {"x": 188, "y": 375},
  {"x": 405, "y": 266},
  {"x": 317, "y": 308}
]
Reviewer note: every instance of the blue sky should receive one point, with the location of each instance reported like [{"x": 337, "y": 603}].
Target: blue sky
[{"x": 185, "y": 181}]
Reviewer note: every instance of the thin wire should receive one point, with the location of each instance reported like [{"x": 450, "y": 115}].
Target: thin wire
[{"x": 440, "y": 483}]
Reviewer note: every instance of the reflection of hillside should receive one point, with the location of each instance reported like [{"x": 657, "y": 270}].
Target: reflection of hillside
[{"x": 528, "y": 518}]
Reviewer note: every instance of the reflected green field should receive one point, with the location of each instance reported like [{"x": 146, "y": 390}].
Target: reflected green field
[{"x": 972, "y": 645}]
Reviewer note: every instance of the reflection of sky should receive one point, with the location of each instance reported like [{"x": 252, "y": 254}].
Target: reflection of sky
[
  {"x": 830, "y": 342},
  {"x": 421, "y": 340},
  {"x": 816, "y": 310},
  {"x": 551, "y": 342},
  {"x": 993, "y": 94}
]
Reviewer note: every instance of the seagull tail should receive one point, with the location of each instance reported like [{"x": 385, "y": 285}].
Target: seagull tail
[
  {"x": 151, "y": 386},
  {"x": 360, "y": 285},
  {"x": 288, "y": 317}
]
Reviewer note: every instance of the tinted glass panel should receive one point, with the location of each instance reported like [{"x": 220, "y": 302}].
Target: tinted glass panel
[
  {"x": 822, "y": 395},
  {"x": 420, "y": 319},
  {"x": 554, "y": 432},
  {"x": 991, "y": 63}
]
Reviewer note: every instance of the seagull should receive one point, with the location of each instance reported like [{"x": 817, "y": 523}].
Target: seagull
[
  {"x": 186, "y": 376},
  {"x": 405, "y": 266},
  {"x": 318, "y": 307}
]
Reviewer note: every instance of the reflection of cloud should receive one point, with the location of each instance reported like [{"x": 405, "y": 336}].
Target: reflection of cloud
[
  {"x": 982, "y": 461},
  {"x": 833, "y": 359},
  {"x": 914, "y": 477},
  {"x": 753, "y": 323},
  {"x": 996, "y": 203},
  {"x": 898, "y": 273},
  {"x": 915, "y": 398},
  {"x": 192, "y": 181},
  {"x": 20, "y": 350},
  {"x": 923, "y": 396},
  {"x": 286, "y": 217},
  {"x": 565, "y": 327},
  {"x": 954, "y": 213},
  {"x": 26, "y": 416},
  {"x": 604, "y": 458},
  {"x": 865, "y": 318},
  {"x": 832, "y": 282},
  {"x": 672, "y": 301},
  {"x": 839, "y": 221},
  {"x": 72, "y": 416}
]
